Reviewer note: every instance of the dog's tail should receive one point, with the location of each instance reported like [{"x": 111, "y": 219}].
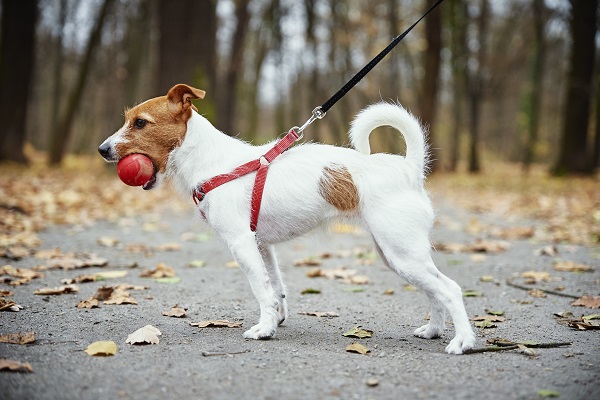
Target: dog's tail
[{"x": 386, "y": 114}]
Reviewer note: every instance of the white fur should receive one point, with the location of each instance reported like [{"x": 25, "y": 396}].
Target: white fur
[{"x": 393, "y": 206}]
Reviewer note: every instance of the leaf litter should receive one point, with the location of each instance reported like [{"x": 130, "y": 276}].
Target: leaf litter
[
  {"x": 216, "y": 323},
  {"x": 102, "y": 349},
  {"x": 147, "y": 335}
]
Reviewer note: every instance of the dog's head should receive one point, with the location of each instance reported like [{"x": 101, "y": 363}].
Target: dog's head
[{"x": 154, "y": 128}]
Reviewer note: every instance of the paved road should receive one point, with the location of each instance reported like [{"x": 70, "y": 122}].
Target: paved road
[{"x": 307, "y": 358}]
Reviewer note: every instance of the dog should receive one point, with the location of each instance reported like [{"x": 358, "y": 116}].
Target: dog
[{"x": 308, "y": 187}]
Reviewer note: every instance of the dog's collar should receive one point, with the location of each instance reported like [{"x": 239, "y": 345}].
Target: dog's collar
[{"x": 261, "y": 165}]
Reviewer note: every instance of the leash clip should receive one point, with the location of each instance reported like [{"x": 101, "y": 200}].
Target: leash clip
[{"x": 317, "y": 113}]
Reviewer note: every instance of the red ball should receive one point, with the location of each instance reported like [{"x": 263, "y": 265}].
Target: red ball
[{"x": 135, "y": 169}]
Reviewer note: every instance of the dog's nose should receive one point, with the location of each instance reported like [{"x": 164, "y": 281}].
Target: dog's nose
[{"x": 104, "y": 150}]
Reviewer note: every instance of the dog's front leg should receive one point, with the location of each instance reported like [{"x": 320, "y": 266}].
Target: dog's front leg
[
  {"x": 268, "y": 254},
  {"x": 246, "y": 252}
]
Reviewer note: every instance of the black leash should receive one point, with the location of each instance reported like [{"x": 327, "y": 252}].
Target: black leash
[{"x": 320, "y": 111}]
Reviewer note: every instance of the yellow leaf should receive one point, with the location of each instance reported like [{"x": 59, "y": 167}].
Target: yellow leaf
[
  {"x": 146, "y": 335},
  {"x": 102, "y": 349},
  {"x": 357, "y": 348}
]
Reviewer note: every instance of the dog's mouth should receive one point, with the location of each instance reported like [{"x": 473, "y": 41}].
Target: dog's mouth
[{"x": 151, "y": 183}]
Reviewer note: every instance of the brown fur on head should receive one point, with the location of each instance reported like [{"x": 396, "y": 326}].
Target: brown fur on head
[{"x": 155, "y": 127}]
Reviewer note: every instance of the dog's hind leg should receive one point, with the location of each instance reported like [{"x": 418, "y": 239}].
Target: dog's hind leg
[
  {"x": 419, "y": 270},
  {"x": 245, "y": 250},
  {"x": 270, "y": 259}
]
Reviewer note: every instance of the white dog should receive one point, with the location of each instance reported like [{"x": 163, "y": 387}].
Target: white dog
[{"x": 309, "y": 186}]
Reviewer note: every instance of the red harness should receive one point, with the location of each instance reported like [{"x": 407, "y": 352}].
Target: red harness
[{"x": 260, "y": 165}]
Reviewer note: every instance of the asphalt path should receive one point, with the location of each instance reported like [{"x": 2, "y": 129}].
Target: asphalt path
[{"x": 307, "y": 359}]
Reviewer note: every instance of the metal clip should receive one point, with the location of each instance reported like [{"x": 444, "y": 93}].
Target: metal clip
[{"x": 317, "y": 113}]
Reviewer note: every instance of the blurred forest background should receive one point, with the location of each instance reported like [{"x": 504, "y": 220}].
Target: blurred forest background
[{"x": 495, "y": 80}]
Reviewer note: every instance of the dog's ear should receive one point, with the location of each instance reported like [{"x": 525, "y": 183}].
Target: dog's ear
[{"x": 180, "y": 97}]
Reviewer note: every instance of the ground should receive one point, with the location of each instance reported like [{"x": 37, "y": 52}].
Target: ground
[{"x": 307, "y": 359}]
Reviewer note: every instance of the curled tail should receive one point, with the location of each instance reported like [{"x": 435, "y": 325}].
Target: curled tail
[{"x": 386, "y": 114}]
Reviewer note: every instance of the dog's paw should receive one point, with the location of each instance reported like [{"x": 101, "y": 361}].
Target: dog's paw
[
  {"x": 460, "y": 344},
  {"x": 260, "y": 332},
  {"x": 429, "y": 331},
  {"x": 282, "y": 311}
]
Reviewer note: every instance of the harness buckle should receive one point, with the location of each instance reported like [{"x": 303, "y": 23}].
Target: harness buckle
[{"x": 198, "y": 195}]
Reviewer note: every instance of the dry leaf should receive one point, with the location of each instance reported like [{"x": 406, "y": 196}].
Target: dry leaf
[
  {"x": 176, "y": 312},
  {"x": 517, "y": 232},
  {"x": 168, "y": 247},
  {"x": 18, "y": 338},
  {"x": 5, "y": 292},
  {"x": 388, "y": 292},
  {"x": 127, "y": 286},
  {"x": 488, "y": 246},
  {"x": 491, "y": 318},
  {"x": 107, "y": 241},
  {"x": 102, "y": 349},
  {"x": 550, "y": 250},
  {"x": 139, "y": 248},
  {"x": 537, "y": 293},
  {"x": 48, "y": 254},
  {"x": 66, "y": 289},
  {"x": 103, "y": 293},
  {"x": 570, "y": 266},
  {"x": 485, "y": 324},
  {"x": 310, "y": 291},
  {"x": 487, "y": 278},
  {"x": 162, "y": 270},
  {"x": 14, "y": 366},
  {"x": 218, "y": 323},
  {"x": 372, "y": 382},
  {"x": 146, "y": 335},
  {"x": 89, "y": 303},
  {"x": 587, "y": 302},
  {"x": 232, "y": 264},
  {"x": 313, "y": 273},
  {"x": 358, "y": 280},
  {"x": 320, "y": 314},
  {"x": 533, "y": 277},
  {"x": 120, "y": 297},
  {"x": 478, "y": 257},
  {"x": 358, "y": 332},
  {"x": 357, "y": 348},
  {"x": 9, "y": 305},
  {"x": 472, "y": 293}
]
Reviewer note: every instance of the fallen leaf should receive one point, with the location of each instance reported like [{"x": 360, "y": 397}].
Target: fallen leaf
[
  {"x": 478, "y": 257},
  {"x": 548, "y": 393},
  {"x": 146, "y": 335},
  {"x": 120, "y": 297},
  {"x": 388, "y": 292},
  {"x": 85, "y": 260},
  {"x": 358, "y": 280},
  {"x": 5, "y": 292},
  {"x": 14, "y": 366},
  {"x": 472, "y": 293},
  {"x": 357, "y": 348},
  {"x": 570, "y": 266},
  {"x": 488, "y": 246},
  {"x": 372, "y": 382},
  {"x": 487, "y": 278},
  {"x": 176, "y": 312},
  {"x": 48, "y": 254},
  {"x": 307, "y": 262},
  {"x": 516, "y": 232},
  {"x": 354, "y": 289},
  {"x": 310, "y": 291},
  {"x": 537, "y": 293},
  {"x": 23, "y": 275},
  {"x": 197, "y": 264},
  {"x": 168, "y": 247},
  {"x": 107, "y": 241},
  {"x": 494, "y": 312},
  {"x": 139, "y": 248},
  {"x": 587, "y": 302},
  {"x": 485, "y": 324},
  {"x": 409, "y": 288},
  {"x": 320, "y": 314},
  {"x": 550, "y": 250},
  {"x": 170, "y": 280},
  {"x": 17, "y": 252},
  {"x": 18, "y": 338},
  {"x": 358, "y": 332},
  {"x": 526, "y": 350},
  {"x": 162, "y": 270},
  {"x": 111, "y": 274},
  {"x": 533, "y": 277},
  {"x": 55, "y": 291},
  {"x": 492, "y": 318},
  {"x": 9, "y": 305},
  {"x": 102, "y": 349},
  {"x": 232, "y": 264},
  {"x": 88, "y": 303},
  {"x": 218, "y": 323},
  {"x": 127, "y": 286},
  {"x": 103, "y": 293}
]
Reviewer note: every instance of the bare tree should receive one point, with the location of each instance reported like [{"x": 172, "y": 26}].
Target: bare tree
[
  {"x": 574, "y": 154},
  {"x": 17, "y": 50},
  {"x": 62, "y": 131}
]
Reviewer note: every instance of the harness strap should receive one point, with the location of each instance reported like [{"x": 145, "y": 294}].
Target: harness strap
[{"x": 260, "y": 165}]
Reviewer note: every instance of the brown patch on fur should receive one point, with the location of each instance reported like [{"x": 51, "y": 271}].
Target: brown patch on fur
[
  {"x": 338, "y": 189},
  {"x": 166, "y": 128}
]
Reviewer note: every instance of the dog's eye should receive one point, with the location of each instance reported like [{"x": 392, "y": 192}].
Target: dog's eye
[{"x": 139, "y": 123}]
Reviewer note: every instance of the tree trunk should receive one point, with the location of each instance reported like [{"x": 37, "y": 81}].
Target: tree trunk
[
  {"x": 62, "y": 132},
  {"x": 533, "y": 102},
  {"x": 475, "y": 88},
  {"x": 574, "y": 154},
  {"x": 433, "y": 36},
  {"x": 458, "y": 25},
  {"x": 227, "y": 102},
  {"x": 187, "y": 47},
  {"x": 17, "y": 56}
]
